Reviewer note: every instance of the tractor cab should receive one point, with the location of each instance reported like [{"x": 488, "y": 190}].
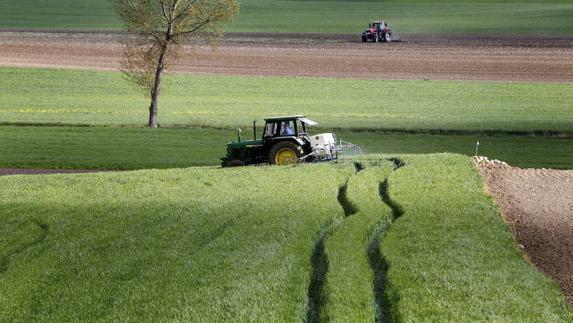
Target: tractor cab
[
  {"x": 377, "y": 31},
  {"x": 378, "y": 25},
  {"x": 282, "y": 127}
]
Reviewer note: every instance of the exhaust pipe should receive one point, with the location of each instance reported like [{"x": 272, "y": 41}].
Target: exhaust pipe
[{"x": 255, "y": 129}]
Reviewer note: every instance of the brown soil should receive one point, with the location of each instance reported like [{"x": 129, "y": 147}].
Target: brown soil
[
  {"x": 502, "y": 59},
  {"x": 538, "y": 206}
]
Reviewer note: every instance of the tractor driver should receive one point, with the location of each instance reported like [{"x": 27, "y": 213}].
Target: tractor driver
[{"x": 286, "y": 130}]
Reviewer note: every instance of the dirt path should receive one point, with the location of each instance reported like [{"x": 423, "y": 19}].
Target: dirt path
[
  {"x": 538, "y": 206},
  {"x": 449, "y": 59}
]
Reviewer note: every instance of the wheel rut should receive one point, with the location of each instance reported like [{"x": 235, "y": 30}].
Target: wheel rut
[
  {"x": 386, "y": 297},
  {"x": 347, "y": 205},
  {"x": 23, "y": 246},
  {"x": 316, "y": 296}
]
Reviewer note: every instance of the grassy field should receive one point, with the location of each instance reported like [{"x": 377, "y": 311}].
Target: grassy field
[
  {"x": 223, "y": 245},
  {"x": 45, "y": 96},
  {"x": 136, "y": 148},
  {"x": 447, "y": 223},
  {"x": 162, "y": 245},
  {"x": 525, "y": 17},
  {"x": 104, "y": 98}
]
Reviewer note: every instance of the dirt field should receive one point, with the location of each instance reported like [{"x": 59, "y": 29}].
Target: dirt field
[
  {"x": 538, "y": 206},
  {"x": 292, "y": 55}
]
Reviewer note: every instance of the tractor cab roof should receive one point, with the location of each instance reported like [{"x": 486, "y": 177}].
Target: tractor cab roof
[
  {"x": 299, "y": 117},
  {"x": 379, "y": 22}
]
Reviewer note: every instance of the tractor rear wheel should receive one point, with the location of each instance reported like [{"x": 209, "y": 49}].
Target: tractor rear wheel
[{"x": 285, "y": 153}]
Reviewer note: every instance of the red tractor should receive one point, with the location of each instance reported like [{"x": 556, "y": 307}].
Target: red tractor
[{"x": 377, "y": 31}]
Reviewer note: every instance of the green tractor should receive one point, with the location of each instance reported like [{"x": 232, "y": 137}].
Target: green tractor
[{"x": 284, "y": 141}]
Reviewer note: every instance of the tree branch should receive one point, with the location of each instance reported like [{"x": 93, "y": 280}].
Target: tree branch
[
  {"x": 184, "y": 11},
  {"x": 163, "y": 9}
]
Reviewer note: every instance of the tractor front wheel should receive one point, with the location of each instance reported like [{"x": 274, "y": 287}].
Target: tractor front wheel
[{"x": 285, "y": 153}]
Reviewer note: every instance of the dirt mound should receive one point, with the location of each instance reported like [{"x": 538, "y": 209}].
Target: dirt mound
[
  {"x": 532, "y": 60},
  {"x": 538, "y": 206}
]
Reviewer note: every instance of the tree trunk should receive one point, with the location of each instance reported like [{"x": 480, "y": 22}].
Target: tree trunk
[{"x": 155, "y": 90}]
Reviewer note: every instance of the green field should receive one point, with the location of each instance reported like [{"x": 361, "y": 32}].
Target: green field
[
  {"x": 266, "y": 244},
  {"x": 396, "y": 119},
  {"x": 137, "y": 148},
  {"x": 402, "y": 232},
  {"x": 525, "y": 17},
  {"x": 104, "y": 98}
]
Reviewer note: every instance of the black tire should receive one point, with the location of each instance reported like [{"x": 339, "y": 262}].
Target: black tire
[
  {"x": 388, "y": 37},
  {"x": 364, "y": 39},
  {"x": 285, "y": 146}
]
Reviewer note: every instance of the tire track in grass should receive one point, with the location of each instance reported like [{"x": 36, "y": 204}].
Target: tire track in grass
[
  {"x": 386, "y": 298},
  {"x": 358, "y": 166},
  {"x": 5, "y": 258},
  {"x": 397, "y": 162},
  {"x": 396, "y": 208},
  {"x": 347, "y": 205},
  {"x": 316, "y": 296}
]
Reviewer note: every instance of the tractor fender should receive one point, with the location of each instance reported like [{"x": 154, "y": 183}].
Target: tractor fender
[
  {"x": 299, "y": 141},
  {"x": 294, "y": 140}
]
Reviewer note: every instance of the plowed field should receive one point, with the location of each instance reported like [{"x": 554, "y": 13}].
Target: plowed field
[
  {"x": 501, "y": 59},
  {"x": 538, "y": 206}
]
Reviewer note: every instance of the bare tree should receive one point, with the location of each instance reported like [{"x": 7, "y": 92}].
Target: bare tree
[{"x": 161, "y": 28}]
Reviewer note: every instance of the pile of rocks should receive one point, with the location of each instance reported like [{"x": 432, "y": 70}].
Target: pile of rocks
[{"x": 484, "y": 161}]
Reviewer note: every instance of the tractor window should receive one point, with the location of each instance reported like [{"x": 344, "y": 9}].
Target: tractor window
[
  {"x": 287, "y": 128},
  {"x": 270, "y": 129},
  {"x": 301, "y": 127}
]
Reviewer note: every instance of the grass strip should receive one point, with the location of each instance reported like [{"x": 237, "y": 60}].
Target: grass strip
[
  {"x": 137, "y": 148},
  {"x": 104, "y": 98},
  {"x": 522, "y": 17},
  {"x": 349, "y": 284}
]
